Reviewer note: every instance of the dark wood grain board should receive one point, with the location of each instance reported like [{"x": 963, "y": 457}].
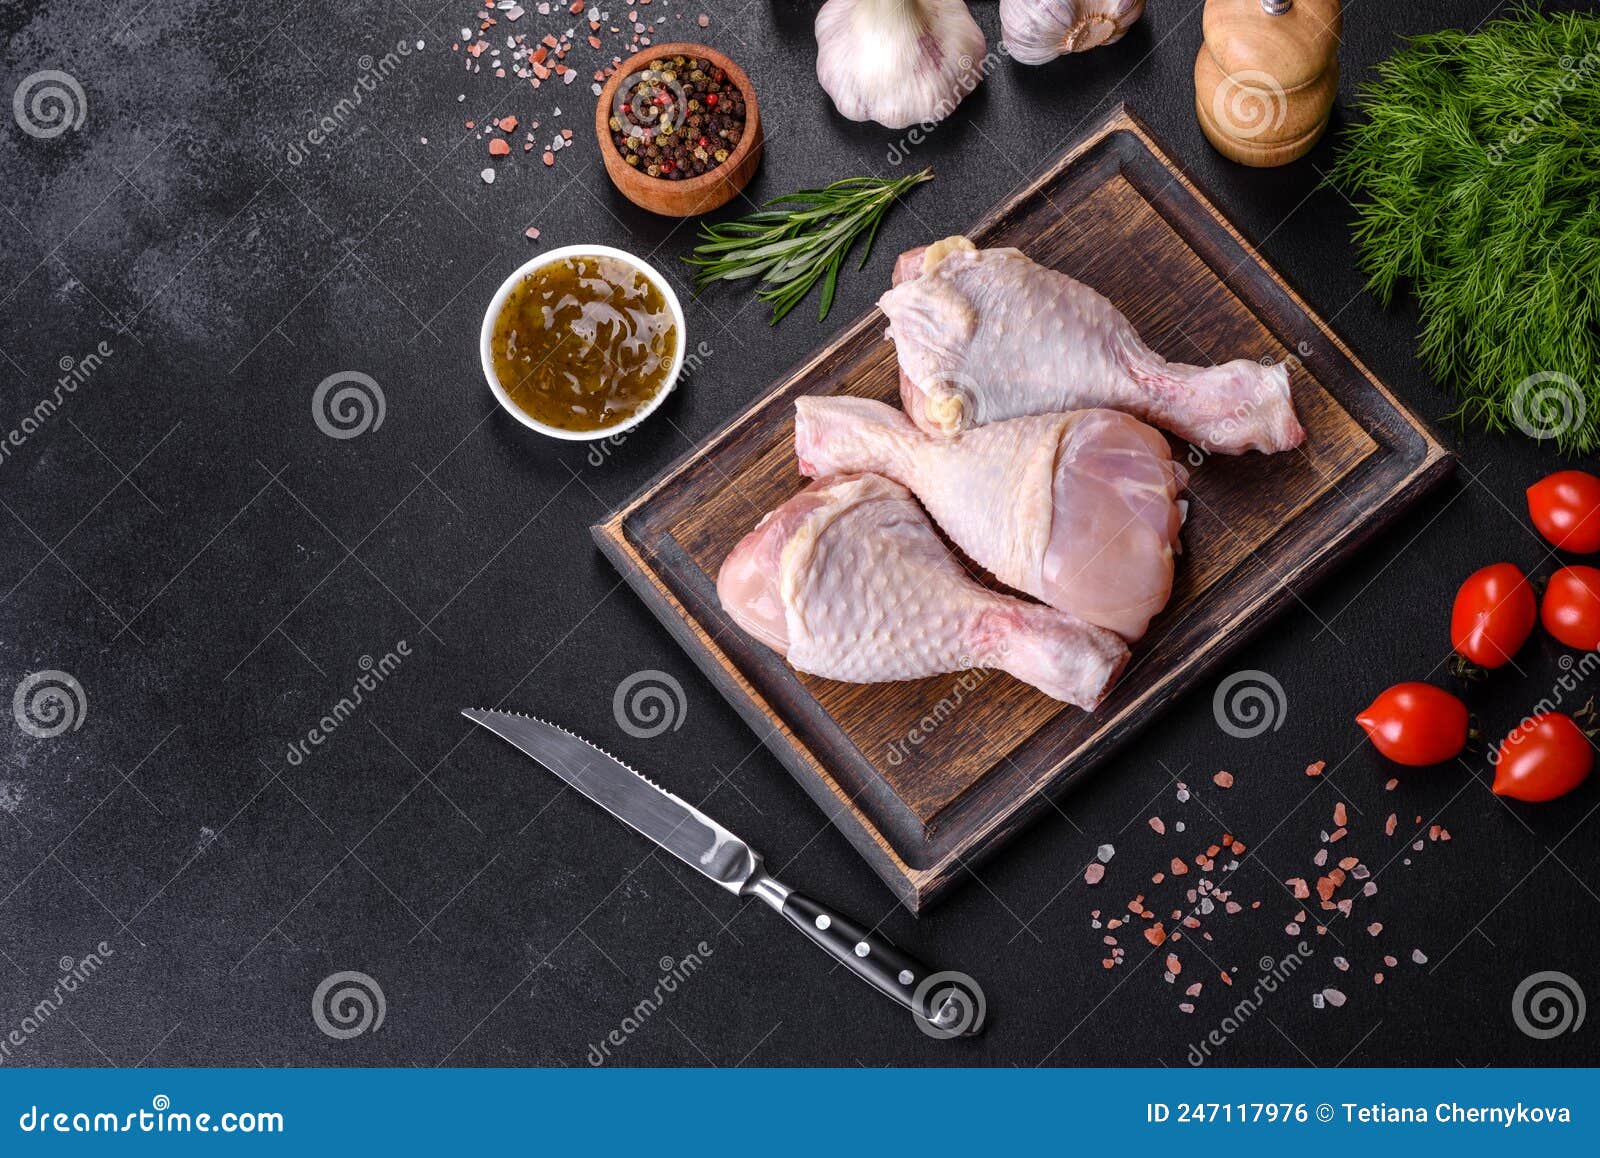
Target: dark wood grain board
[{"x": 925, "y": 775}]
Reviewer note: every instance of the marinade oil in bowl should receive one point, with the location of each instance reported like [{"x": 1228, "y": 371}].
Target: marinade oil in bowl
[{"x": 583, "y": 342}]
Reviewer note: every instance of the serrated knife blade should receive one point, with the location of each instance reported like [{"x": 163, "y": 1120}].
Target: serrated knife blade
[
  {"x": 944, "y": 1004},
  {"x": 641, "y": 804}
]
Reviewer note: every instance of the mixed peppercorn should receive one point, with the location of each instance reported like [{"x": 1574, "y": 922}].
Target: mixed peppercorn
[{"x": 679, "y": 118}]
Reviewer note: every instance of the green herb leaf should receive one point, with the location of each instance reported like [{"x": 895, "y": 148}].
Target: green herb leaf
[
  {"x": 791, "y": 249},
  {"x": 1473, "y": 176}
]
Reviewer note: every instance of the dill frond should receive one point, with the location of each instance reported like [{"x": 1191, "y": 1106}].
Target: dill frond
[{"x": 1476, "y": 176}]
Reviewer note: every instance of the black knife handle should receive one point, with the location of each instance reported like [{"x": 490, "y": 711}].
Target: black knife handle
[{"x": 944, "y": 1004}]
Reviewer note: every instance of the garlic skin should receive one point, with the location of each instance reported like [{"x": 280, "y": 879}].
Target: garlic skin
[
  {"x": 1038, "y": 31},
  {"x": 898, "y": 62}
]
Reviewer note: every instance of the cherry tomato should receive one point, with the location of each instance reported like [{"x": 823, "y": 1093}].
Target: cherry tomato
[
  {"x": 1416, "y": 724},
  {"x": 1493, "y": 615},
  {"x": 1566, "y": 509},
  {"x": 1571, "y": 608},
  {"x": 1545, "y": 757}
]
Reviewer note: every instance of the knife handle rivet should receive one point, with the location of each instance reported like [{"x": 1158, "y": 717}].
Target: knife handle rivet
[
  {"x": 905, "y": 977},
  {"x": 862, "y": 949},
  {"x": 824, "y": 921}
]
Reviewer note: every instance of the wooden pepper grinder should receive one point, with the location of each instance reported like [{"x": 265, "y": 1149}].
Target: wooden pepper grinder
[{"x": 1266, "y": 76}]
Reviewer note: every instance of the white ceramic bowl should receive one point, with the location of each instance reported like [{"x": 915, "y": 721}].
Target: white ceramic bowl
[{"x": 555, "y": 255}]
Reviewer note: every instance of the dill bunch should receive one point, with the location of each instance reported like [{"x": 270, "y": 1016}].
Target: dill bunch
[{"x": 1476, "y": 178}]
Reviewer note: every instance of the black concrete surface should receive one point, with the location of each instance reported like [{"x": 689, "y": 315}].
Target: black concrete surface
[{"x": 181, "y": 539}]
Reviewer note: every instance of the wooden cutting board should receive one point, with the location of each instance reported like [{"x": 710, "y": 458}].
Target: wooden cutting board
[{"x": 925, "y": 776}]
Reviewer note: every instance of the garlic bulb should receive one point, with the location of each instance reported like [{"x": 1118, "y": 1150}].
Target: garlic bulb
[
  {"x": 898, "y": 62},
  {"x": 1038, "y": 31}
]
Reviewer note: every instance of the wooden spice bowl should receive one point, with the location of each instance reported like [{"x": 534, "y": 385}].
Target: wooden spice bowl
[{"x": 697, "y": 194}]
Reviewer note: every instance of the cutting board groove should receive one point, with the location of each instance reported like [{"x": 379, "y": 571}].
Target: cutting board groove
[{"x": 925, "y": 776}]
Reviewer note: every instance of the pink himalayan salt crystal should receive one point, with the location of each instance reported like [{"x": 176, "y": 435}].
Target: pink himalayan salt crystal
[{"x": 1094, "y": 874}]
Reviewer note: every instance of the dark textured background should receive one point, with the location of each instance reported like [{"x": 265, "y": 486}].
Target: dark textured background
[{"x": 182, "y": 540}]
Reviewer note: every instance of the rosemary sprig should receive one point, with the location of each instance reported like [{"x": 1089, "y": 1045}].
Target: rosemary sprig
[{"x": 792, "y": 242}]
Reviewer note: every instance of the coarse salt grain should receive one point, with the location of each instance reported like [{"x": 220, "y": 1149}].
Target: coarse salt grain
[
  {"x": 1094, "y": 873},
  {"x": 1104, "y": 853}
]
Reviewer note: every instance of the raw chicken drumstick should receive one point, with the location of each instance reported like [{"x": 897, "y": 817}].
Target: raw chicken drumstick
[
  {"x": 1080, "y": 510},
  {"x": 849, "y": 581},
  {"x": 984, "y": 335}
]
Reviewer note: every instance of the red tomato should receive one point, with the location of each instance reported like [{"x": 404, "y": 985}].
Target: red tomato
[
  {"x": 1493, "y": 615},
  {"x": 1566, "y": 509},
  {"x": 1571, "y": 608},
  {"x": 1416, "y": 724},
  {"x": 1547, "y": 756}
]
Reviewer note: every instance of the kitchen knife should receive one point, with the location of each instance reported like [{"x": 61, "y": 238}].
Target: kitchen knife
[{"x": 944, "y": 1004}]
